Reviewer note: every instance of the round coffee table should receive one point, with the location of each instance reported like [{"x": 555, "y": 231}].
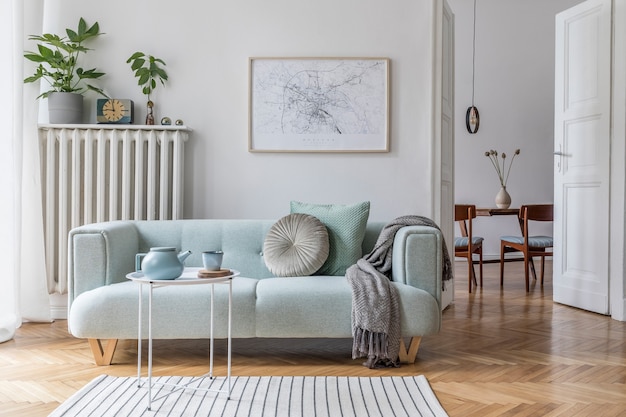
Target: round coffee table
[{"x": 188, "y": 277}]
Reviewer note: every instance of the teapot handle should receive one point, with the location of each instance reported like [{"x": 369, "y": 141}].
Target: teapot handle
[{"x": 138, "y": 258}]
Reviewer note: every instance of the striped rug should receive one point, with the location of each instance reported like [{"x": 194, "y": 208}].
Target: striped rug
[{"x": 275, "y": 396}]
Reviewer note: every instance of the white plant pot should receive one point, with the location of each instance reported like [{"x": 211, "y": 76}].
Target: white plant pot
[{"x": 65, "y": 108}]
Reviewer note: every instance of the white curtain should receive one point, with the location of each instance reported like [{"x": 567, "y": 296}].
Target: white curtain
[{"x": 23, "y": 292}]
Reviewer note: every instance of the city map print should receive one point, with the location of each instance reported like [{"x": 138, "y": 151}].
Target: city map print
[{"x": 319, "y": 104}]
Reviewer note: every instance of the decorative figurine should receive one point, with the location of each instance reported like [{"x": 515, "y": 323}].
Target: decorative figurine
[{"x": 150, "y": 116}]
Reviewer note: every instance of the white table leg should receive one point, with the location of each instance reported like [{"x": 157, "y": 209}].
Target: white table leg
[
  {"x": 150, "y": 348},
  {"x": 139, "y": 338},
  {"x": 230, "y": 321},
  {"x": 211, "y": 333}
]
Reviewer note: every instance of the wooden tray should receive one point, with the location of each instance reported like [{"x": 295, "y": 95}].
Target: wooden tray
[{"x": 203, "y": 273}]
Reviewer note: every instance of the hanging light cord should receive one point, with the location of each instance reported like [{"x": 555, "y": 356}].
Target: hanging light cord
[
  {"x": 474, "y": 53},
  {"x": 472, "y": 118}
]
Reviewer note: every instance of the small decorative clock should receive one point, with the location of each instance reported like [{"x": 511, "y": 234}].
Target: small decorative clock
[{"x": 115, "y": 110}]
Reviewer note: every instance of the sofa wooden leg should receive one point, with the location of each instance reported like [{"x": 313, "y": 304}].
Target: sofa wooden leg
[
  {"x": 103, "y": 356},
  {"x": 409, "y": 355}
]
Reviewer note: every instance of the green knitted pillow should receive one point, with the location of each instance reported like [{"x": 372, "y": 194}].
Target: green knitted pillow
[{"x": 346, "y": 230}]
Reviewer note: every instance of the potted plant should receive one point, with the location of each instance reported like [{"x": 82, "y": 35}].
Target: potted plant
[
  {"x": 58, "y": 64},
  {"x": 148, "y": 71}
]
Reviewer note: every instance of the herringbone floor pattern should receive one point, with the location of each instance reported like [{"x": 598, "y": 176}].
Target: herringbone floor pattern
[{"x": 501, "y": 352}]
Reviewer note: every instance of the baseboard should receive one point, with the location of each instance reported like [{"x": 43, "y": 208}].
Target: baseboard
[
  {"x": 495, "y": 258},
  {"x": 619, "y": 315},
  {"x": 58, "y": 306},
  {"x": 447, "y": 296}
]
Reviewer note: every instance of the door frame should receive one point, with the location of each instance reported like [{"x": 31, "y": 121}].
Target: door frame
[
  {"x": 617, "y": 220},
  {"x": 443, "y": 130}
]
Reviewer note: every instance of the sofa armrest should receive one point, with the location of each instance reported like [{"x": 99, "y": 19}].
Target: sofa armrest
[
  {"x": 100, "y": 254},
  {"x": 417, "y": 259}
]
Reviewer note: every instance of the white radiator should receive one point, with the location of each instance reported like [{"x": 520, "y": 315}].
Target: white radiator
[{"x": 95, "y": 173}]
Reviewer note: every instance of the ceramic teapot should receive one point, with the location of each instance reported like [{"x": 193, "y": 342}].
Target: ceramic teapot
[{"x": 161, "y": 263}]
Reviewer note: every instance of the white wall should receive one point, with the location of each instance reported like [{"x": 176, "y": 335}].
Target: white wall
[
  {"x": 206, "y": 46},
  {"x": 514, "y": 92}
]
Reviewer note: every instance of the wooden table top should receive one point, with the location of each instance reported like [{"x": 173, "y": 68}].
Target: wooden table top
[{"x": 492, "y": 211}]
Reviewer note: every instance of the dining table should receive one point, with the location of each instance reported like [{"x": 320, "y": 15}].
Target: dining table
[{"x": 492, "y": 211}]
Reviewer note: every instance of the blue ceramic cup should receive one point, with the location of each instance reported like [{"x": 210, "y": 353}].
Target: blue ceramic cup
[{"x": 212, "y": 260}]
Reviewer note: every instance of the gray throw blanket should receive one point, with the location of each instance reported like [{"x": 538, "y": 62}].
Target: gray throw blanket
[{"x": 375, "y": 301}]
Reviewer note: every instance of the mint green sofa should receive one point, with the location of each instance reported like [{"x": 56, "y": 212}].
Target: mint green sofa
[{"x": 103, "y": 304}]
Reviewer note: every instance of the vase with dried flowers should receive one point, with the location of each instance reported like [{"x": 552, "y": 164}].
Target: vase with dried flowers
[{"x": 503, "y": 199}]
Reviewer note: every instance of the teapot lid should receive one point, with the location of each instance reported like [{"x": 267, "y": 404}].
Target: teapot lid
[{"x": 163, "y": 249}]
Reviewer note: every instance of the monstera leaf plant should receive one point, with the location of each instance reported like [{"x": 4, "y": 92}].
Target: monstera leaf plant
[
  {"x": 58, "y": 64},
  {"x": 58, "y": 58}
]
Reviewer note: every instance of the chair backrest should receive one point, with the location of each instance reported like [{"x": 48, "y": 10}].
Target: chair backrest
[
  {"x": 535, "y": 212},
  {"x": 464, "y": 213}
]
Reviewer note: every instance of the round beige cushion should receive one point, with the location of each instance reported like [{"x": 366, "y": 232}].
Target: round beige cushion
[{"x": 296, "y": 245}]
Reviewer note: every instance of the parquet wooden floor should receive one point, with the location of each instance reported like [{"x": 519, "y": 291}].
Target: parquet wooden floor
[{"x": 501, "y": 352}]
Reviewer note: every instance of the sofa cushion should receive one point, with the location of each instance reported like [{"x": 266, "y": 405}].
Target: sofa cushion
[
  {"x": 179, "y": 311},
  {"x": 320, "y": 306},
  {"x": 346, "y": 229},
  {"x": 296, "y": 245},
  {"x": 316, "y": 306}
]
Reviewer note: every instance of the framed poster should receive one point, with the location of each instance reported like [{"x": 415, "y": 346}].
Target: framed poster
[{"x": 319, "y": 105}]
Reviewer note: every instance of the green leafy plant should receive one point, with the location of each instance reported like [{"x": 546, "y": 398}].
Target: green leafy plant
[
  {"x": 148, "y": 71},
  {"x": 58, "y": 60}
]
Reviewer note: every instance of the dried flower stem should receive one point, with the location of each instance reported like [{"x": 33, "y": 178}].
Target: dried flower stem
[{"x": 493, "y": 158}]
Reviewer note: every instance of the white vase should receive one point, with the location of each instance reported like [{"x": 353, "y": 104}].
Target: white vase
[{"x": 503, "y": 199}]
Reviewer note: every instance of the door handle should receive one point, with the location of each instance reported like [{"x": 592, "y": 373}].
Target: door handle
[{"x": 560, "y": 154}]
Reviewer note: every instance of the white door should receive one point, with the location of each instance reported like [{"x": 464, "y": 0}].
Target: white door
[{"x": 582, "y": 155}]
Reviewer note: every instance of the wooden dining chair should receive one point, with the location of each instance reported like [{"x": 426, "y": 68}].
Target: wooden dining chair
[
  {"x": 530, "y": 246},
  {"x": 466, "y": 245}
]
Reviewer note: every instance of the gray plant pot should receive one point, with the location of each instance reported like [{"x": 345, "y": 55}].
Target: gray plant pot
[{"x": 65, "y": 108}]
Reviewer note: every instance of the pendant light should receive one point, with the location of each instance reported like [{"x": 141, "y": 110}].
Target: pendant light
[{"x": 472, "y": 117}]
